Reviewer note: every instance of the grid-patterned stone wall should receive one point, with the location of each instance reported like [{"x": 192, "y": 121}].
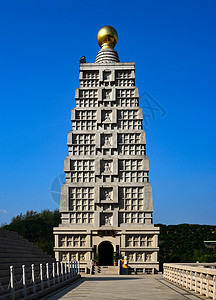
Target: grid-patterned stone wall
[{"x": 106, "y": 171}]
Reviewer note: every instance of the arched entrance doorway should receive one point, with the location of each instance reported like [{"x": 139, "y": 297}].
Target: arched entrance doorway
[{"x": 105, "y": 251}]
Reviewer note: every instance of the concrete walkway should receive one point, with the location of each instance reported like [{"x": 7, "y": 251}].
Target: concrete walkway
[{"x": 148, "y": 287}]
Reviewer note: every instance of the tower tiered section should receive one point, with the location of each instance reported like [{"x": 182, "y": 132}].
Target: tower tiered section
[{"x": 106, "y": 200}]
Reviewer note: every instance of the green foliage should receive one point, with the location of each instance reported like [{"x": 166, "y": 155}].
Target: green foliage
[
  {"x": 116, "y": 256},
  {"x": 177, "y": 243},
  {"x": 36, "y": 227},
  {"x": 185, "y": 242},
  {"x": 208, "y": 258},
  {"x": 96, "y": 257}
]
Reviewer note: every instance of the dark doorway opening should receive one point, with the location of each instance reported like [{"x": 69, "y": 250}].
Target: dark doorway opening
[{"x": 105, "y": 251}]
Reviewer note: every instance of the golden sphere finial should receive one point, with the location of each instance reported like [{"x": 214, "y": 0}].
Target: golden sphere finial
[{"x": 107, "y": 37}]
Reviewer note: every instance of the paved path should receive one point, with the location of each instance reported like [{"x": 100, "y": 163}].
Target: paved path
[{"x": 148, "y": 287}]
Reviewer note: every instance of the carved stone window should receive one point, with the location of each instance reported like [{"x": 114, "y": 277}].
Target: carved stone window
[
  {"x": 106, "y": 166},
  {"x": 106, "y": 194},
  {"x": 63, "y": 241},
  {"x": 106, "y": 116},
  {"x": 106, "y": 75},
  {"x": 148, "y": 256},
  {"x": 106, "y": 140},
  {"x": 64, "y": 257},
  {"x": 131, "y": 257},
  {"x": 106, "y": 94},
  {"x": 139, "y": 256},
  {"x": 107, "y": 219},
  {"x": 82, "y": 256},
  {"x": 73, "y": 257}
]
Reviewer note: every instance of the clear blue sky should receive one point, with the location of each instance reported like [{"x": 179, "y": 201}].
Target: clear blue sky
[{"x": 173, "y": 44}]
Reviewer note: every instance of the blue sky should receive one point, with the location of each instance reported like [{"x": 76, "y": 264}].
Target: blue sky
[{"x": 173, "y": 44}]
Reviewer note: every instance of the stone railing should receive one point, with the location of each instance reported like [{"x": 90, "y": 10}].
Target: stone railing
[
  {"x": 200, "y": 279},
  {"x": 38, "y": 279}
]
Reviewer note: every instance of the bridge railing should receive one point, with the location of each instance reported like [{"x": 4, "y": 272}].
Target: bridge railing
[
  {"x": 38, "y": 278},
  {"x": 199, "y": 279}
]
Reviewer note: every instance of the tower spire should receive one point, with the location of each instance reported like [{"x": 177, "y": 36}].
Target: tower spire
[{"x": 107, "y": 38}]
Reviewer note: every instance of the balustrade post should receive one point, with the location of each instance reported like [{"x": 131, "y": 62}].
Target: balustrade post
[
  {"x": 207, "y": 285},
  {"x": 53, "y": 273},
  {"x": 47, "y": 275},
  {"x": 57, "y": 269},
  {"x": 78, "y": 266},
  {"x": 191, "y": 280},
  {"x": 65, "y": 271},
  {"x": 71, "y": 268},
  {"x": 164, "y": 271},
  {"x": 74, "y": 267},
  {"x": 201, "y": 284},
  {"x": 12, "y": 283},
  {"x": 69, "y": 273},
  {"x": 62, "y": 271},
  {"x": 186, "y": 284},
  {"x": 183, "y": 272},
  {"x": 195, "y": 282},
  {"x": 41, "y": 277},
  {"x": 119, "y": 267},
  {"x": 214, "y": 287},
  {"x": 179, "y": 276},
  {"x": 172, "y": 274},
  {"x": 91, "y": 267},
  {"x": 33, "y": 279},
  {"x": 24, "y": 281},
  {"x": 69, "y": 265}
]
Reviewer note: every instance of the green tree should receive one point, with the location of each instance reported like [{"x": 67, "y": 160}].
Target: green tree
[{"x": 36, "y": 227}]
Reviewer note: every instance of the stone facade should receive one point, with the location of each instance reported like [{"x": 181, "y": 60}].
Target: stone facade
[{"x": 107, "y": 195}]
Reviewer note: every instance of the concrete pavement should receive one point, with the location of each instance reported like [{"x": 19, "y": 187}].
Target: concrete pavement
[{"x": 148, "y": 287}]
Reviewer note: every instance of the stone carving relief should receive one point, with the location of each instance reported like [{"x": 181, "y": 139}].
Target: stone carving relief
[
  {"x": 106, "y": 194},
  {"x": 107, "y": 116},
  {"x": 106, "y": 219},
  {"x": 73, "y": 257},
  {"x": 64, "y": 257},
  {"x": 139, "y": 257},
  {"x": 106, "y": 140},
  {"x": 106, "y": 166},
  {"x": 106, "y": 94},
  {"x": 130, "y": 257},
  {"x": 63, "y": 242},
  {"x": 82, "y": 256},
  {"x": 107, "y": 75},
  {"x": 148, "y": 256}
]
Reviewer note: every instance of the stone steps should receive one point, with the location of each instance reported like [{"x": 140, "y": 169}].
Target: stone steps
[
  {"x": 15, "y": 240},
  {"x": 18, "y": 254},
  {"x": 16, "y": 251},
  {"x": 19, "y": 249},
  {"x": 106, "y": 270}
]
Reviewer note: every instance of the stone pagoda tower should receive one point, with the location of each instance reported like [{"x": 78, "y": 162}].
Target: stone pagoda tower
[{"x": 106, "y": 200}]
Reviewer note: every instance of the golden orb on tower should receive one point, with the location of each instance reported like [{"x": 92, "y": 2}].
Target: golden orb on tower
[{"x": 107, "y": 37}]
